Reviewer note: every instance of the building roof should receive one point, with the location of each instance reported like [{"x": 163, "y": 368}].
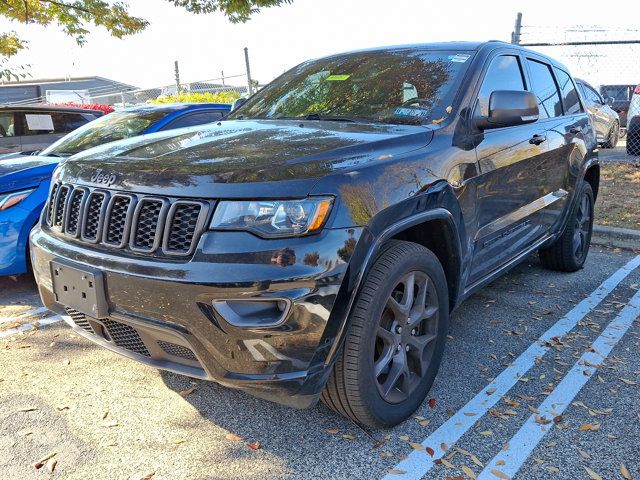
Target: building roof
[{"x": 45, "y": 81}]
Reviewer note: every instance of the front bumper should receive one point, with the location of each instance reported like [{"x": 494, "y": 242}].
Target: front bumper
[{"x": 161, "y": 310}]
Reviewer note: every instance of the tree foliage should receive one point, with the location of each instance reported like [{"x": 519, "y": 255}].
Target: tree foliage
[
  {"x": 77, "y": 17},
  {"x": 199, "y": 97}
]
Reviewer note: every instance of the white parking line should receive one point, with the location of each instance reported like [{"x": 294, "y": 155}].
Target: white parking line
[
  {"x": 509, "y": 461},
  {"x": 30, "y": 313},
  {"x": 417, "y": 463},
  {"x": 28, "y": 326}
]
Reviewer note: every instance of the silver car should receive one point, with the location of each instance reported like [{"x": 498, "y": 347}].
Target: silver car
[{"x": 606, "y": 121}]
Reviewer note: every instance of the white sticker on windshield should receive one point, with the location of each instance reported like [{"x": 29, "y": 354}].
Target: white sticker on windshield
[
  {"x": 459, "y": 58},
  {"x": 39, "y": 122}
]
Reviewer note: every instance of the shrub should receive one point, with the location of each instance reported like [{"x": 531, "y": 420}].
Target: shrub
[{"x": 199, "y": 97}]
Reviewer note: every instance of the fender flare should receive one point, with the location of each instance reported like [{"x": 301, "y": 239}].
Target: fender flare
[{"x": 363, "y": 264}]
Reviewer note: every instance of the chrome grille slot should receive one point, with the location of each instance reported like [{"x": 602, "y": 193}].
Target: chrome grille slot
[
  {"x": 117, "y": 221},
  {"x": 93, "y": 216},
  {"x": 74, "y": 210},
  {"x": 52, "y": 202},
  {"x": 183, "y": 222},
  {"x": 147, "y": 223},
  {"x": 60, "y": 205}
]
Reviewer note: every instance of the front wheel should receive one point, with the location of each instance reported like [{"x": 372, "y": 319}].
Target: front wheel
[
  {"x": 569, "y": 252},
  {"x": 396, "y": 337}
]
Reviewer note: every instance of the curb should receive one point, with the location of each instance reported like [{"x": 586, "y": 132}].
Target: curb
[{"x": 616, "y": 237}]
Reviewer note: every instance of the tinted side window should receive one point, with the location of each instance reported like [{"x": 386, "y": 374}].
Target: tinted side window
[
  {"x": 504, "y": 73},
  {"x": 544, "y": 88},
  {"x": 67, "y": 122},
  {"x": 569, "y": 93},
  {"x": 592, "y": 94},
  {"x": 197, "y": 118}
]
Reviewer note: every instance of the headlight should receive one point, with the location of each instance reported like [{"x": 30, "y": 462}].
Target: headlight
[
  {"x": 8, "y": 200},
  {"x": 273, "y": 218}
]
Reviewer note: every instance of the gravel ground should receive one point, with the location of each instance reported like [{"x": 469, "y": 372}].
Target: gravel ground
[{"x": 107, "y": 417}]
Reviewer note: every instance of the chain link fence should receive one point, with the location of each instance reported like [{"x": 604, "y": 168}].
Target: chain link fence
[{"x": 608, "y": 58}]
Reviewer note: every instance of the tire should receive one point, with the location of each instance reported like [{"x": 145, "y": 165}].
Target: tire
[
  {"x": 613, "y": 137},
  {"x": 375, "y": 349},
  {"x": 569, "y": 252}
]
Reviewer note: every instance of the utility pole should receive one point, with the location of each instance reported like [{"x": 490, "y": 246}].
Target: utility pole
[
  {"x": 222, "y": 74},
  {"x": 515, "y": 35},
  {"x": 177, "y": 71},
  {"x": 249, "y": 81}
]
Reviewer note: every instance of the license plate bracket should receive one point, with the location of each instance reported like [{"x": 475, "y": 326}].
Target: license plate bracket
[{"x": 79, "y": 288}]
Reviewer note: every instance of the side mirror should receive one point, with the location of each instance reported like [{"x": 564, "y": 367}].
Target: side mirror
[
  {"x": 609, "y": 101},
  {"x": 508, "y": 108},
  {"x": 237, "y": 103}
]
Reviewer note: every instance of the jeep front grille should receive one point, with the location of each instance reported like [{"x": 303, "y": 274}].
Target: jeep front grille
[{"x": 138, "y": 223}]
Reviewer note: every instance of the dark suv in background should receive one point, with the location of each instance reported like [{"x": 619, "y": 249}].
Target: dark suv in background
[
  {"x": 31, "y": 128},
  {"x": 313, "y": 244},
  {"x": 621, "y": 95}
]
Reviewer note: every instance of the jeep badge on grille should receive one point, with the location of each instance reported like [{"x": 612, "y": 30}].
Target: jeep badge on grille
[{"x": 107, "y": 179}]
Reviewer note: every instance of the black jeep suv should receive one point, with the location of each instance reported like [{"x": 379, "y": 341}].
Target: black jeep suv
[{"x": 313, "y": 244}]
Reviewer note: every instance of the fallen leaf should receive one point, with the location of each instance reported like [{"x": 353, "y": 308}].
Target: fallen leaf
[
  {"x": 430, "y": 451},
  {"x": 624, "y": 471},
  {"x": 432, "y": 402},
  {"x": 469, "y": 414},
  {"x": 51, "y": 465},
  {"x": 394, "y": 471},
  {"x": 416, "y": 446},
  {"x": 179, "y": 441},
  {"x": 593, "y": 475},
  {"x": 148, "y": 476},
  {"x": 486, "y": 433},
  {"x": 40, "y": 463},
  {"x": 348, "y": 437},
  {"x": 404, "y": 438},
  {"x": 468, "y": 472},
  {"x": 255, "y": 445},
  {"x": 111, "y": 423},
  {"x": 491, "y": 391},
  {"x": 499, "y": 474},
  {"x": 589, "y": 427},
  {"x": 232, "y": 437},
  {"x": 583, "y": 454},
  {"x": 27, "y": 409},
  {"x": 444, "y": 447},
  {"x": 188, "y": 391},
  {"x": 424, "y": 423},
  {"x": 557, "y": 419},
  {"x": 105, "y": 414},
  {"x": 628, "y": 382},
  {"x": 332, "y": 431},
  {"x": 447, "y": 463}
]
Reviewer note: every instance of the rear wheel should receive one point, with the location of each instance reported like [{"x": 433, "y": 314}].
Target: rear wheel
[
  {"x": 395, "y": 340},
  {"x": 613, "y": 137},
  {"x": 569, "y": 252}
]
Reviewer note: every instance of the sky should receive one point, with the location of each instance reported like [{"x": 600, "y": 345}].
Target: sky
[{"x": 281, "y": 37}]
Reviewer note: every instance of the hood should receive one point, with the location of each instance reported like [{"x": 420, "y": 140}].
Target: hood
[
  {"x": 25, "y": 171},
  {"x": 241, "y": 158}
]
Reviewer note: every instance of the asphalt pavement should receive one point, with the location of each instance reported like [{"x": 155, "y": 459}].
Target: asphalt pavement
[{"x": 504, "y": 405}]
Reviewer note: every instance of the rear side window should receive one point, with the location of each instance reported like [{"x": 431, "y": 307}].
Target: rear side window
[
  {"x": 590, "y": 94},
  {"x": 504, "y": 73},
  {"x": 570, "y": 96},
  {"x": 544, "y": 87},
  {"x": 67, "y": 122},
  {"x": 192, "y": 119}
]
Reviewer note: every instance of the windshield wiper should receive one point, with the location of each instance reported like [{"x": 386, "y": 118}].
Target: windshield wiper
[{"x": 331, "y": 118}]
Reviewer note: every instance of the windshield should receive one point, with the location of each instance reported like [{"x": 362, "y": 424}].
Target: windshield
[
  {"x": 112, "y": 127},
  {"x": 391, "y": 86}
]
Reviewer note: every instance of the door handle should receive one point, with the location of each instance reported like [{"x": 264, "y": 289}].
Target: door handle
[
  {"x": 575, "y": 130},
  {"x": 537, "y": 139}
]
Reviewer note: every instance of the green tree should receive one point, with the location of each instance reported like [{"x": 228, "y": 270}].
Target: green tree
[{"x": 77, "y": 17}]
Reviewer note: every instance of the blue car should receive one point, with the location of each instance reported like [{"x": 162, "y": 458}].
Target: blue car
[{"x": 24, "y": 180}]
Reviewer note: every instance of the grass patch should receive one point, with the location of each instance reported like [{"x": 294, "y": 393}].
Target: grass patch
[{"x": 618, "y": 203}]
